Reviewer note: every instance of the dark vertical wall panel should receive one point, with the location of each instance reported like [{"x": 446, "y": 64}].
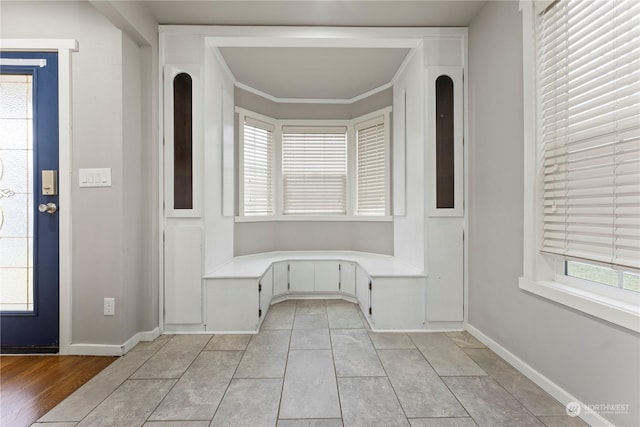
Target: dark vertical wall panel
[
  {"x": 182, "y": 142},
  {"x": 444, "y": 143}
]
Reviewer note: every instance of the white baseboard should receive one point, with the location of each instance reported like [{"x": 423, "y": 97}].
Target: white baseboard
[
  {"x": 140, "y": 336},
  {"x": 564, "y": 397},
  {"x": 111, "y": 349}
]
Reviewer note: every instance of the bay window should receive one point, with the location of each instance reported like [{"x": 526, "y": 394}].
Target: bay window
[{"x": 314, "y": 169}]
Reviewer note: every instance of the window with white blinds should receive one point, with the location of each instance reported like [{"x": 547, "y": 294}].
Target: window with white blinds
[
  {"x": 257, "y": 167},
  {"x": 588, "y": 83},
  {"x": 371, "y": 168},
  {"x": 314, "y": 170}
]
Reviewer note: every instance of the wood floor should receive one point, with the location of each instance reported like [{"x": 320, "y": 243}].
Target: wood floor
[{"x": 31, "y": 385}]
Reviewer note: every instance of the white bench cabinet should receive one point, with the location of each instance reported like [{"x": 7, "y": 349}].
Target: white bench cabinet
[
  {"x": 265, "y": 289},
  {"x": 391, "y": 295},
  {"x": 280, "y": 278},
  {"x": 301, "y": 276},
  {"x": 348, "y": 278},
  {"x": 327, "y": 276}
]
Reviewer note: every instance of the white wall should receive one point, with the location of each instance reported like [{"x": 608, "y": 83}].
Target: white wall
[
  {"x": 111, "y": 248},
  {"x": 219, "y": 229},
  {"x": 409, "y": 233},
  {"x": 591, "y": 359},
  {"x": 256, "y": 237}
]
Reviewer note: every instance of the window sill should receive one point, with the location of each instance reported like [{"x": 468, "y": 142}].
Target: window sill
[
  {"x": 621, "y": 313},
  {"x": 315, "y": 218}
]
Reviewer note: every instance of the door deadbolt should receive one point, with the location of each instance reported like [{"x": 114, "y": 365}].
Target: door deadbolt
[{"x": 49, "y": 183}]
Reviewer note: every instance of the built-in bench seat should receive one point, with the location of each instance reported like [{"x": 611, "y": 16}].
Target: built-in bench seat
[{"x": 391, "y": 293}]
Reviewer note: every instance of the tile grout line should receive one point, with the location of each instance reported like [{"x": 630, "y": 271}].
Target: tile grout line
[
  {"x": 441, "y": 380},
  {"x": 335, "y": 372},
  {"x": 117, "y": 387},
  {"x": 387, "y": 377},
  {"x": 286, "y": 364},
  {"x": 507, "y": 391},
  {"x": 176, "y": 380},
  {"x": 226, "y": 390}
]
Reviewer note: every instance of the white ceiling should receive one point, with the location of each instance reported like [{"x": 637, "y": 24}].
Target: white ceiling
[
  {"x": 319, "y": 72},
  {"x": 315, "y": 73}
]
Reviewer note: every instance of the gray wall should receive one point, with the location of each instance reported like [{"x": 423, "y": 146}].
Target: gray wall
[
  {"x": 113, "y": 111},
  {"x": 255, "y": 237},
  {"x": 591, "y": 359},
  {"x": 282, "y": 111}
]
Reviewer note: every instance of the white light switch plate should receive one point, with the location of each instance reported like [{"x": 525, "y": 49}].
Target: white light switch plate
[{"x": 97, "y": 177}]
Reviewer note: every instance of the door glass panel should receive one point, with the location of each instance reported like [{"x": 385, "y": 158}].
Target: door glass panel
[{"x": 16, "y": 193}]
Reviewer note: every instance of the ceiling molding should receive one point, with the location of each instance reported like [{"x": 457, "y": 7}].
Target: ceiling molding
[{"x": 312, "y": 101}]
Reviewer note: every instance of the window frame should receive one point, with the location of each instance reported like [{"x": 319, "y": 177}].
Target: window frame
[
  {"x": 361, "y": 123},
  {"x": 268, "y": 122},
  {"x": 544, "y": 274},
  {"x": 278, "y": 182}
]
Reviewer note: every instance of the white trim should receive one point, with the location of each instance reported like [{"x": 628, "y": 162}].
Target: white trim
[
  {"x": 371, "y": 92},
  {"x": 113, "y": 349},
  {"x": 52, "y": 45},
  {"x": 95, "y": 350},
  {"x": 308, "y": 36},
  {"x": 223, "y": 64},
  {"x": 316, "y": 218},
  {"x": 564, "y": 397},
  {"x": 160, "y": 178},
  {"x": 431, "y": 75},
  {"x": 612, "y": 310},
  {"x": 403, "y": 65},
  {"x": 467, "y": 156},
  {"x": 23, "y": 62},
  {"x": 63, "y": 47},
  {"x": 341, "y": 101},
  {"x": 65, "y": 184},
  {"x": 139, "y": 337}
]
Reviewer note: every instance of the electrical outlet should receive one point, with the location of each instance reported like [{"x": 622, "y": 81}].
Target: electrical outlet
[{"x": 109, "y": 306}]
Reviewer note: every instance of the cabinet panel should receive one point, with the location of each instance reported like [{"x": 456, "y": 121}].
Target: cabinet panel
[
  {"x": 301, "y": 276},
  {"x": 362, "y": 290},
  {"x": 327, "y": 276},
  {"x": 348, "y": 278},
  {"x": 183, "y": 275},
  {"x": 280, "y": 278},
  {"x": 445, "y": 290},
  {"x": 266, "y": 293}
]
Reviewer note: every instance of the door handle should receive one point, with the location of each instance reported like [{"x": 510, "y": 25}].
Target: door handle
[{"x": 49, "y": 208}]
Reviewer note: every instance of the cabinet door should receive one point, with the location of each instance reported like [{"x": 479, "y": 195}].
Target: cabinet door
[
  {"x": 266, "y": 291},
  {"x": 362, "y": 290},
  {"x": 280, "y": 278},
  {"x": 183, "y": 275},
  {"x": 348, "y": 278},
  {"x": 301, "y": 276},
  {"x": 327, "y": 276}
]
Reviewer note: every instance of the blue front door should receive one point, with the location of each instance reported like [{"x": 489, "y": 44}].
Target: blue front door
[{"x": 29, "y": 237}]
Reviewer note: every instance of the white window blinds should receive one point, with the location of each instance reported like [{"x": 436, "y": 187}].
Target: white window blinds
[
  {"x": 257, "y": 170},
  {"x": 371, "y": 170},
  {"x": 314, "y": 170},
  {"x": 588, "y": 80}
]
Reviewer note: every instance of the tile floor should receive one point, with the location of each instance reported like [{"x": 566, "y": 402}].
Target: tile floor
[{"x": 314, "y": 363}]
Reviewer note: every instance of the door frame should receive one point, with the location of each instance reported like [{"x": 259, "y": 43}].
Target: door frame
[{"x": 63, "y": 47}]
